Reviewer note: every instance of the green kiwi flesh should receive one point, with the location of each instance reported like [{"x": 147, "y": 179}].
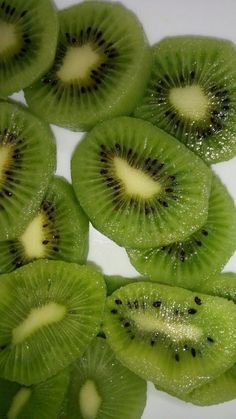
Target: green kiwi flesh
[
  {"x": 100, "y": 70},
  {"x": 173, "y": 337},
  {"x": 141, "y": 194},
  {"x": 40, "y": 400},
  {"x": 189, "y": 263},
  {"x": 222, "y": 285},
  {"x": 49, "y": 311},
  {"x": 191, "y": 94},
  {"x": 27, "y": 163},
  {"x": 59, "y": 230},
  {"x": 102, "y": 388},
  {"x": 113, "y": 282},
  {"x": 28, "y": 33}
]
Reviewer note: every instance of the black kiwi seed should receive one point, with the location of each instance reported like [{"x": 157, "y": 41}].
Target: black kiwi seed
[
  {"x": 114, "y": 311},
  {"x": 177, "y": 357},
  {"x": 198, "y": 300},
  {"x": 118, "y": 302},
  {"x": 153, "y": 342},
  {"x": 193, "y": 352},
  {"x": 209, "y": 338},
  {"x": 156, "y": 304},
  {"x": 192, "y": 311},
  {"x": 127, "y": 324}
]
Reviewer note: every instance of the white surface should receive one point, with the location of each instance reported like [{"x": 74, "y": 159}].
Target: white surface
[{"x": 162, "y": 18}]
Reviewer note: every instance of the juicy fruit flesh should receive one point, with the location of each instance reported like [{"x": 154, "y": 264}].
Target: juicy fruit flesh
[
  {"x": 189, "y": 101},
  {"x": 135, "y": 182},
  {"x": 89, "y": 400},
  {"x": 5, "y": 155},
  {"x": 18, "y": 402},
  {"x": 77, "y": 63},
  {"x": 32, "y": 238},
  {"x": 8, "y": 36},
  {"x": 37, "y": 319}
]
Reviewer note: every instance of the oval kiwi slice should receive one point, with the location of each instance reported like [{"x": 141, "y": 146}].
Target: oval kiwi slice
[
  {"x": 59, "y": 230},
  {"x": 100, "y": 70},
  {"x": 41, "y": 400},
  {"x": 138, "y": 185},
  {"x": 49, "y": 313},
  {"x": 27, "y": 163},
  {"x": 101, "y": 387},
  {"x": 28, "y": 33},
  {"x": 171, "y": 336},
  {"x": 191, "y": 94},
  {"x": 188, "y": 263}
]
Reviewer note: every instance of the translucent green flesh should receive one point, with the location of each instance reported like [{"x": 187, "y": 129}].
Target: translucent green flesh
[
  {"x": 174, "y": 212},
  {"x": 207, "y": 124},
  {"x": 53, "y": 346},
  {"x": 189, "y": 263},
  {"x": 120, "y": 62},
  {"x": 99, "y": 383},
  {"x": 177, "y": 362}
]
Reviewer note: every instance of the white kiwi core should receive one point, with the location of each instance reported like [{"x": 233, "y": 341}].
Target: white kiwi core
[
  {"x": 189, "y": 101},
  {"x": 89, "y": 400},
  {"x": 135, "y": 182},
  {"x": 8, "y": 37},
  {"x": 32, "y": 238},
  {"x": 38, "y": 318},
  {"x": 18, "y": 402},
  {"x": 77, "y": 63}
]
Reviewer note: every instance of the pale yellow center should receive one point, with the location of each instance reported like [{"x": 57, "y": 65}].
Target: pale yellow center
[
  {"x": 77, "y": 63},
  {"x": 8, "y": 36},
  {"x": 189, "y": 101},
  {"x": 38, "y": 318},
  {"x": 5, "y": 153},
  {"x": 18, "y": 402},
  {"x": 176, "y": 331},
  {"x": 135, "y": 182},
  {"x": 89, "y": 400},
  {"x": 33, "y": 237}
]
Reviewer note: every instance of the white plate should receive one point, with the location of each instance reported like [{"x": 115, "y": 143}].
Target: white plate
[{"x": 160, "y": 19}]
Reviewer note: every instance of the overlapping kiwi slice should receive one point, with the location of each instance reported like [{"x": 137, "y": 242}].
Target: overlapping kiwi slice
[
  {"x": 173, "y": 337},
  {"x": 188, "y": 263},
  {"x": 223, "y": 285},
  {"x": 191, "y": 94},
  {"x": 59, "y": 230},
  {"x": 101, "y": 387},
  {"x": 113, "y": 282},
  {"x": 100, "y": 70},
  {"x": 28, "y": 33},
  {"x": 49, "y": 313},
  {"x": 41, "y": 400},
  {"x": 27, "y": 163},
  {"x": 138, "y": 185}
]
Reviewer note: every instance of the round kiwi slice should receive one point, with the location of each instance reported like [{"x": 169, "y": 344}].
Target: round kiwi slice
[
  {"x": 27, "y": 163},
  {"x": 188, "y": 263},
  {"x": 28, "y": 33},
  {"x": 41, "y": 400},
  {"x": 49, "y": 313},
  {"x": 101, "y": 67},
  {"x": 192, "y": 94},
  {"x": 102, "y": 388},
  {"x": 59, "y": 230},
  {"x": 138, "y": 185},
  {"x": 173, "y": 337}
]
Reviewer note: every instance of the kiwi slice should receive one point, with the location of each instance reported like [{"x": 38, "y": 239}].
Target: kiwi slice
[
  {"x": 27, "y": 163},
  {"x": 101, "y": 67},
  {"x": 59, "y": 230},
  {"x": 192, "y": 94},
  {"x": 40, "y": 400},
  {"x": 189, "y": 262},
  {"x": 102, "y": 388},
  {"x": 223, "y": 285},
  {"x": 138, "y": 185},
  {"x": 49, "y": 313},
  {"x": 28, "y": 33},
  {"x": 173, "y": 337}
]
